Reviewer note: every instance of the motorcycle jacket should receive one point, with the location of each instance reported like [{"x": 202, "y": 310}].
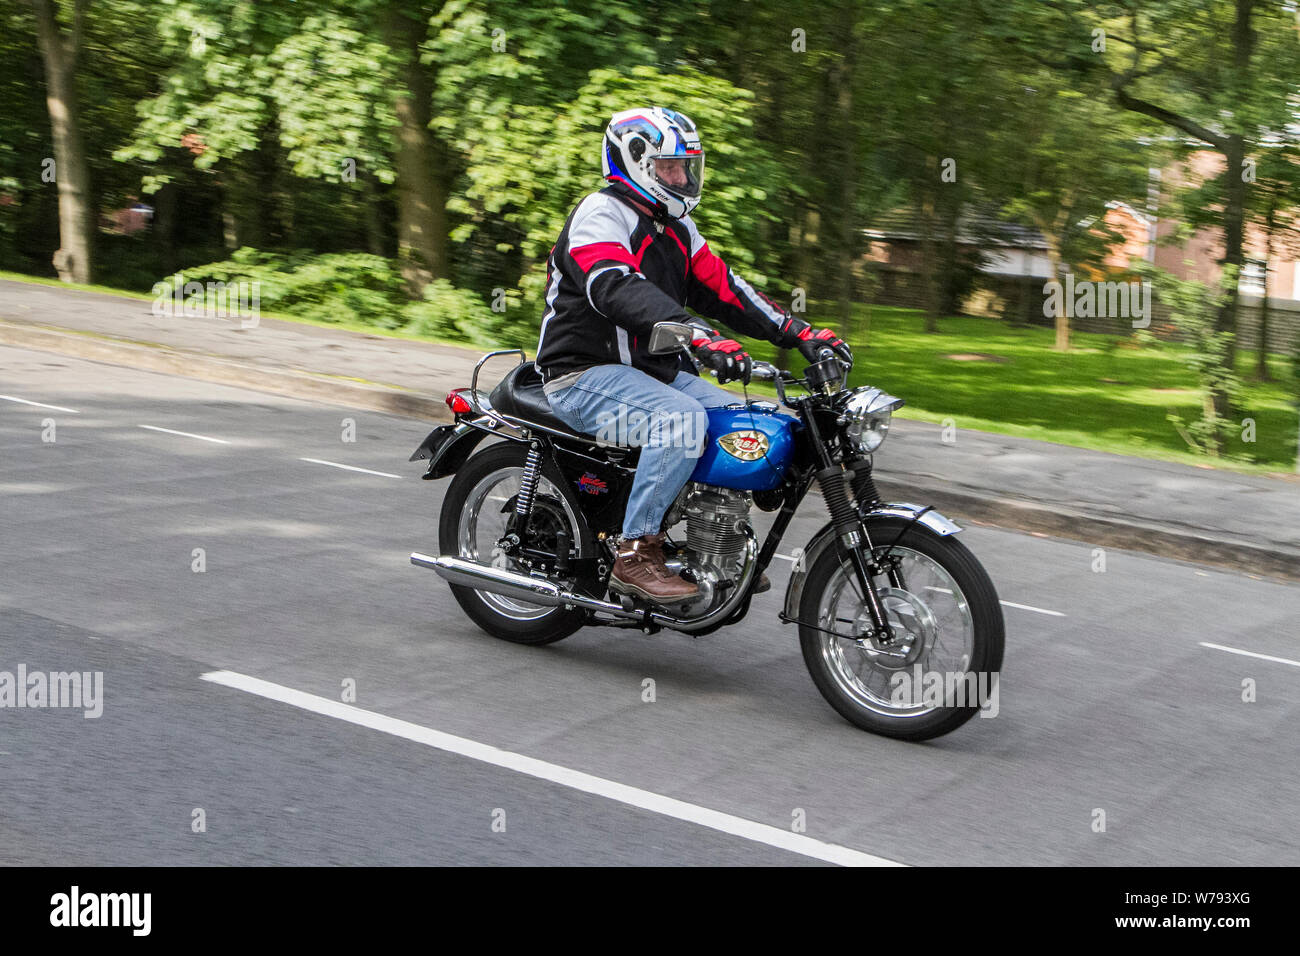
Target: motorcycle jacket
[{"x": 618, "y": 268}]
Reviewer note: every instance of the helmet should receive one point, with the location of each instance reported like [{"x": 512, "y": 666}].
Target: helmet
[{"x": 656, "y": 152}]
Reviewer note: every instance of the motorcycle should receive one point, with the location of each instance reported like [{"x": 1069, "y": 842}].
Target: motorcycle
[{"x": 886, "y": 601}]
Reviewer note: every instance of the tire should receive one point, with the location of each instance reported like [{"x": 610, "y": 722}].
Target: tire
[
  {"x": 971, "y": 639},
  {"x": 508, "y": 618}
]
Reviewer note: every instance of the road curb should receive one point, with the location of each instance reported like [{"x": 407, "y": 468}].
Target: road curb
[
  {"x": 1128, "y": 534},
  {"x": 152, "y": 357},
  {"x": 1123, "y": 533}
]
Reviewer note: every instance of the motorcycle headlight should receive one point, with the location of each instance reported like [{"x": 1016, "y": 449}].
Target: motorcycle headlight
[{"x": 867, "y": 416}]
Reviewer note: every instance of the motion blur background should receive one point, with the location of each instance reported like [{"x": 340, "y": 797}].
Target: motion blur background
[{"x": 912, "y": 173}]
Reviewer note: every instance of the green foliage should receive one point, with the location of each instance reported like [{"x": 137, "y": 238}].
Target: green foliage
[
  {"x": 816, "y": 120},
  {"x": 1193, "y": 308},
  {"x": 361, "y": 289},
  {"x": 352, "y": 287},
  {"x": 333, "y": 92},
  {"x": 454, "y": 314}
]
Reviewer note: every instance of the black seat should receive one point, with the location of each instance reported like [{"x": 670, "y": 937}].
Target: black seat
[{"x": 519, "y": 395}]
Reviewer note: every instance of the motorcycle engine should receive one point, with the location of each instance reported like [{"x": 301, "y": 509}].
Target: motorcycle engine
[{"x": 717, "y": 520}]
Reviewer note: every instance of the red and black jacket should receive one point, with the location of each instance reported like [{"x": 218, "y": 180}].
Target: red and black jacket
[{"x": 617, "y": 269}]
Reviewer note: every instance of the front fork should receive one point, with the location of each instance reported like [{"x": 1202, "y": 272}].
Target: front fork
[{"x": 852, "y": 532}]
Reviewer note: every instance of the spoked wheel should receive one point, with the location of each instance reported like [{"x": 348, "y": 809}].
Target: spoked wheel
[
  {"x": 474, "y": 518},
  {"x": 940, "y": 663}
]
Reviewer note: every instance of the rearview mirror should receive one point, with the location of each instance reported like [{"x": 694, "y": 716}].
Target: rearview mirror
[{"x": 668, "y": 337}]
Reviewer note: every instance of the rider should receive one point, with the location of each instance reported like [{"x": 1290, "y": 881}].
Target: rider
[{"x": 629, "y": 256}]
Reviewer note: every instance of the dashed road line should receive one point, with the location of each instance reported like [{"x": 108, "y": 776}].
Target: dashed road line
[
  {"x": 1030, "y": 607},
  {"x": 23, "y": 401},
  {"x": 335, "y": 464},
  {"x": 172, "y": 431},
  {"x": 1238, "y": 650}
]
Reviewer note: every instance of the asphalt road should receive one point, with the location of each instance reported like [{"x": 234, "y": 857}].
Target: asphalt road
[{"x": 1109, "y": 699}]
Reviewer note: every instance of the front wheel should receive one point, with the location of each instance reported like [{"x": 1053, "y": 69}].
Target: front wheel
[{"x": 939, "y": 666}]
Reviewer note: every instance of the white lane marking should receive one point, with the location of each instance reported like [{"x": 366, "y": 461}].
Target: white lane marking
[
  {"x": 1023, "y": 607},
  {"x": 576, "y": 779},
  {"x": 170, "y": 431},
  {"x": 1027, "y": 607},
  {"x": 335, "y": 464},
  {"x": 1262, "y": 657},
  {"x": 23, "y": 401}
]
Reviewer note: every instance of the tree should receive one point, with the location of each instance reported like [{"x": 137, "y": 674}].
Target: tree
[
  {"x": 1076, "y": 155},
  {"x": 1221, "y": 72},
  {"x": 60, "y": 47},
  {"x": 420, "y": 159},
  {"x": 1273, "y": 200}
]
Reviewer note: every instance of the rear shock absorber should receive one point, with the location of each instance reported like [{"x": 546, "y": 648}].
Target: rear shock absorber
[{"x": 528, "y": 486}]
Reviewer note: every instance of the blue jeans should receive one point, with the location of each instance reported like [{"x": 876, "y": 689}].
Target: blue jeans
[{"x": 667, "y": 421}]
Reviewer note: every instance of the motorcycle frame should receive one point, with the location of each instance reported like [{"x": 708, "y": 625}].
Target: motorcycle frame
[{"x": 849, "y": 532}]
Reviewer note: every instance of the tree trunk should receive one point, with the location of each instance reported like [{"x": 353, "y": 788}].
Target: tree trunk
[
  {"x": 246, "y": 211},
  {"x": 848, "y": 177},
  {"x": 1234, "y": 207},
  {"x": 421, "y": 190},
  {"x": 1261, "y": 357},
  {"x": 374, "y": 219},
  {"x": 1234, "y": 232},
  {"x": 1061, "y": 321},
  {"x": 164, "y": 227},
  {"x": 928, "y": 250},
  {"x": 1052, "y": 233},
  {"x": 73, "y": 259}
]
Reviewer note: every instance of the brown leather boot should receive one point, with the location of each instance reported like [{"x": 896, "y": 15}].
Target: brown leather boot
[{"x": 639, "y": 570}]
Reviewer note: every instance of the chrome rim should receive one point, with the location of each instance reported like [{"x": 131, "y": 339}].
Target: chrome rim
[
  {"x": 934, "y": 633},
  {"x": 483, "y": 523}
]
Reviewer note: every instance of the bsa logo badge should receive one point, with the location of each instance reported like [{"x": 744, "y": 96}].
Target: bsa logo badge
[
  {"x": 746, "y": 445},
  {"x": 592, "y": 485}
]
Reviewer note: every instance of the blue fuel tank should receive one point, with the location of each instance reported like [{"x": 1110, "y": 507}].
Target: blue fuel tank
[{"x": 748, "y": 448}]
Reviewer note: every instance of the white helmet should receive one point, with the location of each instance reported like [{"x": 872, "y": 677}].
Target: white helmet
[{"x": 657, "y": 153}]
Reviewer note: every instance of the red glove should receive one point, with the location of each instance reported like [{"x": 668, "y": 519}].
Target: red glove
[
  {"x": 812, "y": 341},
  {"x": 725, "y": 356}
]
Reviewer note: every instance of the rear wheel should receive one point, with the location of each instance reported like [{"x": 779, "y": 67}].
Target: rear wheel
[
  {"x": 942, "y": 661},
  {"x": 475, "y": 512}
]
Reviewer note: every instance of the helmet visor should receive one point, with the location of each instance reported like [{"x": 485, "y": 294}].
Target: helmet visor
[{"x": 682, "y": 174}]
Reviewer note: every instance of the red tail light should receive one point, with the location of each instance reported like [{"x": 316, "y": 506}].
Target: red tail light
[{"x": 457, "y": 402}]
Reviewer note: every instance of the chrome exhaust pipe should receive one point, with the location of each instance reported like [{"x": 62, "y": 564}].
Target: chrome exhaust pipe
[
  {"x": 512, "y": 584},
  {"x": 482, "y": 577}
]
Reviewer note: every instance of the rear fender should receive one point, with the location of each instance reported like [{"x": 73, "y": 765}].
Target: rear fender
[{"x": 447, "y": 447}]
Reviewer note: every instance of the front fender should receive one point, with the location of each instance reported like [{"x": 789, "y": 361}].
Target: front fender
[
  {"x": 825, "y": 538},
  {"x": 447, "y": 447}
]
